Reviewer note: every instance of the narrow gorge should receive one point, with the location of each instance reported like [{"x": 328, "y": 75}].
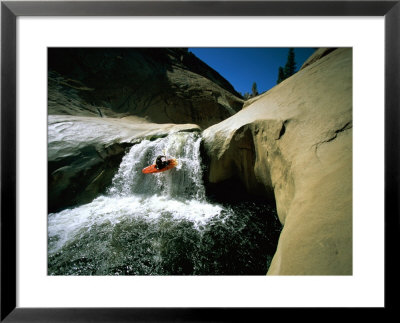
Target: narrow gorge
[{"x": 262, "y": 186}]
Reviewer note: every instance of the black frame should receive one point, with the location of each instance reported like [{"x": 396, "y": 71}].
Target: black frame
[{"x": 11, "y": 10}]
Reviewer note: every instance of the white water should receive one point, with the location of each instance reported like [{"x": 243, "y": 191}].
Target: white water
[{"x": 178, "y": 192}]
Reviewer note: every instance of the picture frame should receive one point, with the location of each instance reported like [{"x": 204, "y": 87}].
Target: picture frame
[{"x": 10, "y": 10}]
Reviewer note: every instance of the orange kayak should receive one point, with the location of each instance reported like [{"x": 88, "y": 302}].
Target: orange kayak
[{"x": 153, "y": 169}]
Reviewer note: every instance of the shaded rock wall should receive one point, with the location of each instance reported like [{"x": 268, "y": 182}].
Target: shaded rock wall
[
  {"x": 81, "y": 177},
  {"x": 159, "y": 84},
  {"x": 302, "y": 156},
  {"x": 64, "y": 97}
]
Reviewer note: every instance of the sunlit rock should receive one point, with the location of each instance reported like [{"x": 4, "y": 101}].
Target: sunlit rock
[{"x": 294, "y": 144}]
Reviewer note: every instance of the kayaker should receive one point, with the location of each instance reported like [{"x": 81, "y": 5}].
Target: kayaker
[{"x": 161, "y": 162}]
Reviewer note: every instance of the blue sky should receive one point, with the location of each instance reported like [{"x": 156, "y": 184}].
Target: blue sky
[{"x": 243, "y": 66}]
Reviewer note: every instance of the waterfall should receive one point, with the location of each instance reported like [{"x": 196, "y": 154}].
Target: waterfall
[
  {"x": 183, "y": 182},
  {"x": 162, "y": 223},
  {"x": 178, "y": 193}
]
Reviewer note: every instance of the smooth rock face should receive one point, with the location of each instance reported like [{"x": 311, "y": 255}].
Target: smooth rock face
[
  {"x": 318, "y": 54},
  {"x": 295, "y": 141},
  {"x": 85, "y": 152},
  {"x": 158, "y": 84}
]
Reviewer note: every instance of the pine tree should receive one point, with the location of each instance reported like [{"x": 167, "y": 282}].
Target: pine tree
[
  {"x": 290, "y": 67},
  {"x": 246, "y": 96},
  {"x": 281, "y": 75},
  {"x": 254, "y": 91}
]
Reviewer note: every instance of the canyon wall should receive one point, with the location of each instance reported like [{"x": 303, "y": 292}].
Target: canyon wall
[{"x": 293, "y": 145}]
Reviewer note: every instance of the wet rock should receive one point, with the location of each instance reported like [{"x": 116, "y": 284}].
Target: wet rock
[{"x": 84, "y": 153}]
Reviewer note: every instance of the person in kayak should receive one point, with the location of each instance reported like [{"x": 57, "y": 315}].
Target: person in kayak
[{"x": 161, "y": 162}]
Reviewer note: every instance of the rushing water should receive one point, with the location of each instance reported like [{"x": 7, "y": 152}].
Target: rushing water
[{"x": 162, "y": 224}]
